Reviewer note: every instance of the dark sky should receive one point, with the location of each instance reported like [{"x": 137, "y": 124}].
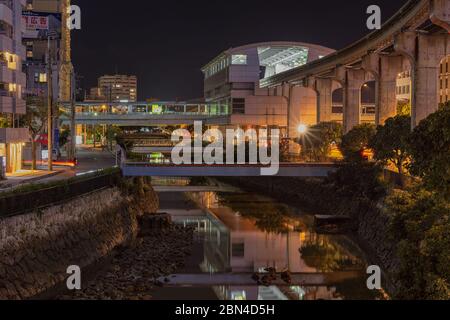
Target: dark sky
[{"x": 165, "y": 43}]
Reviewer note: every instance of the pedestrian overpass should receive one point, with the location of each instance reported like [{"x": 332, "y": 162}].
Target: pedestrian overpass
[{"x": 137, "y": 114}]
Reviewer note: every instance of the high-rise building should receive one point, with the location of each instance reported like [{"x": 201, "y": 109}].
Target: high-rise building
[
  {"x": 12, "y": 83},
  {"x": 118, "y": 88},
  {"x": 52, "y": 13}
]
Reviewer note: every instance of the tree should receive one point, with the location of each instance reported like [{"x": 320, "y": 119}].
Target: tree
[
  {"x": 356, "y": 141},
  {"x": 111, "y": 133},
  {"x": 35, "y": 119},
  {"x": 390, "y": 143},
  {"x": 430, "y": 151},
  {"x": 318, "y": 143},
  {"x": 64, "y": 136},
  {"x": 420, "y": 226}
]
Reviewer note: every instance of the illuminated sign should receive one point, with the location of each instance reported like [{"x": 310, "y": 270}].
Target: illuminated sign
[
  {"x": 157, "y": 109},
  {"x": 35, "y": 22}
]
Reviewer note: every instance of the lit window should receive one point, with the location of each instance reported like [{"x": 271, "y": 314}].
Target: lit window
[
  {"x": 239, "y": 59},
  {"x": 42, "y": 77}
]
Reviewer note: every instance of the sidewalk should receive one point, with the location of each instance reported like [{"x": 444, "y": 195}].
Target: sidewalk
[{"x": 27, "y": 176}]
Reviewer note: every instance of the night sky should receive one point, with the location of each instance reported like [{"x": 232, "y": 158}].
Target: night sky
[{"x": 165, "y": 43}]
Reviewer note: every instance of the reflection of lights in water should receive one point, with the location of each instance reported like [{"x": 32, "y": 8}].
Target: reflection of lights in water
[
  {"x": 238, "y": 295},
  {"x": 298, "y": 290}
]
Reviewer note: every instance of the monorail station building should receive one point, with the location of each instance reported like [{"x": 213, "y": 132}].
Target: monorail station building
[{"x": 232, "y": 82}]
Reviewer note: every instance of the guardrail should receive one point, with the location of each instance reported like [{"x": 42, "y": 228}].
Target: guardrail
[{"x": 20, "y": 202}]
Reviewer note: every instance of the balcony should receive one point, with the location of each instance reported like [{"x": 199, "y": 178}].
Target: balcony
[
  {"x": 6, "y": 74},
  {"x": 20, "y": 107},
  {"x": 6, "y": 13},
  {"x": 6, "y": 103},
  {"x": 14, "y": 135},
  {"x": 5, "y": 43}
]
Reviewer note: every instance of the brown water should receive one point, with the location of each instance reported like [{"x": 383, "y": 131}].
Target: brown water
[{"x": 245, "y": 233}]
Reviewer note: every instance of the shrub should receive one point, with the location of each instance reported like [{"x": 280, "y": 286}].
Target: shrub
[
  {"x": 317, "y": 144},
  {"x": 429, "y": 146},
  {"x": 356, "y": 141}
]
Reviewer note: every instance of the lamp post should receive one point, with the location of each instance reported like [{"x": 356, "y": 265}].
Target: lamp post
[{"x": 49, "y": 104}]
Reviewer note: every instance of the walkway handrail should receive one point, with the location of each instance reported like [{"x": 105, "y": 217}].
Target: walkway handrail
[{"x": 16, "y": 202}]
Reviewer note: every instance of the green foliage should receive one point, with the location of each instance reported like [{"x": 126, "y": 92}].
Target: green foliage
[
  {"x": 430, "y": 151},
  {"x": 356, "y": 141},
  {"x": 317, "y": 144},
  {"x": 36, "y": 116},
  {"x": 358, "y": 181},
  {"x": 125, "y": 144},
  {"x": 3, "y": 122},
  {"x": 326, "y": 256},
  {"x": 111, "y": 134},
  {"x": 64, "y": 137},
  {"x": 421, "y": 227},
  {"x": 391, "y": 141}
]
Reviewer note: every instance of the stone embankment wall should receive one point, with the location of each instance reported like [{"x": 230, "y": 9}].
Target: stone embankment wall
[{"x": 37, "y": 248}]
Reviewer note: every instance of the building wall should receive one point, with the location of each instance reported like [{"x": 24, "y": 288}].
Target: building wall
[
  {"x": 238, "y": 84},
  {"x": 37, "y": 50},
  {"x": 12, "y": 84},
  {"x": 118, "y": 87},
  {"x": 404, "y": 86}
]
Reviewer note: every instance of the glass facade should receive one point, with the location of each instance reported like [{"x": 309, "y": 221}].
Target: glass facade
[{"x": 239, "y": 59}]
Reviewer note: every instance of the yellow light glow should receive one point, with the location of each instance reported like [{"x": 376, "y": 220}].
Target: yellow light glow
[{"x": 302, "y": 128}]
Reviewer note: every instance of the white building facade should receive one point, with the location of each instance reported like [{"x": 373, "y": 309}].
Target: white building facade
[
  {"x": 12, "y": 84},
  {"x": 232, "y": 80}
]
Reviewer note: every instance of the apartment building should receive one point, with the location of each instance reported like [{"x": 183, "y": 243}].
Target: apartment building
[
  {"x": 48, "y": 17},
  {"x": 118, "y": 88},
  {"x": 12, "y": 84}
]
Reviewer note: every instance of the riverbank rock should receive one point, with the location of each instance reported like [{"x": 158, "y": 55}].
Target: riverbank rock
[
  {"x": 150, "y": 223},
  {"x": 133, "y": 273}
]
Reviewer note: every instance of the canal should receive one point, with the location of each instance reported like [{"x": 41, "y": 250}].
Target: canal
[{"x": 241, "y": 234}]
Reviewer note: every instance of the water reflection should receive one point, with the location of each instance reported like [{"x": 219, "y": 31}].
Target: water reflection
[{"x": 245, "y": 233}]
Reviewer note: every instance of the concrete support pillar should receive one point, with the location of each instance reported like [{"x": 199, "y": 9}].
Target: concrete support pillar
[
  {"x": 431, "y": 49},
  {"x": 354, "y": 80},
  {"x": 303, "y": 108},
  {"x": 324, "y": 88},
  {"x": 390, "y": 67},
  {"x": 440, "y": 13}
]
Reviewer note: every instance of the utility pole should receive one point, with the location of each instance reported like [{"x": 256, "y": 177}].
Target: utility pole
[
  {"x": 50, "y": 106},
  {"x": 72, "y": 151}
]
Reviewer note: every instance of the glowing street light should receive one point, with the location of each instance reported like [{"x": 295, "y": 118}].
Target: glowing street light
[{"x": 302, "y": 128}]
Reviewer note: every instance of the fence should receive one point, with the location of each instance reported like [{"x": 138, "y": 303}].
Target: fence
[{"x": 22, "y": 202}]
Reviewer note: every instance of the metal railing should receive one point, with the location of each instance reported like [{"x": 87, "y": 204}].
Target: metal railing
[{"x": 17, "y": 203}]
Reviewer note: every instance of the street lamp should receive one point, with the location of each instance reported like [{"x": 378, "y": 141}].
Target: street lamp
[{"x": 302, "y": 129}]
